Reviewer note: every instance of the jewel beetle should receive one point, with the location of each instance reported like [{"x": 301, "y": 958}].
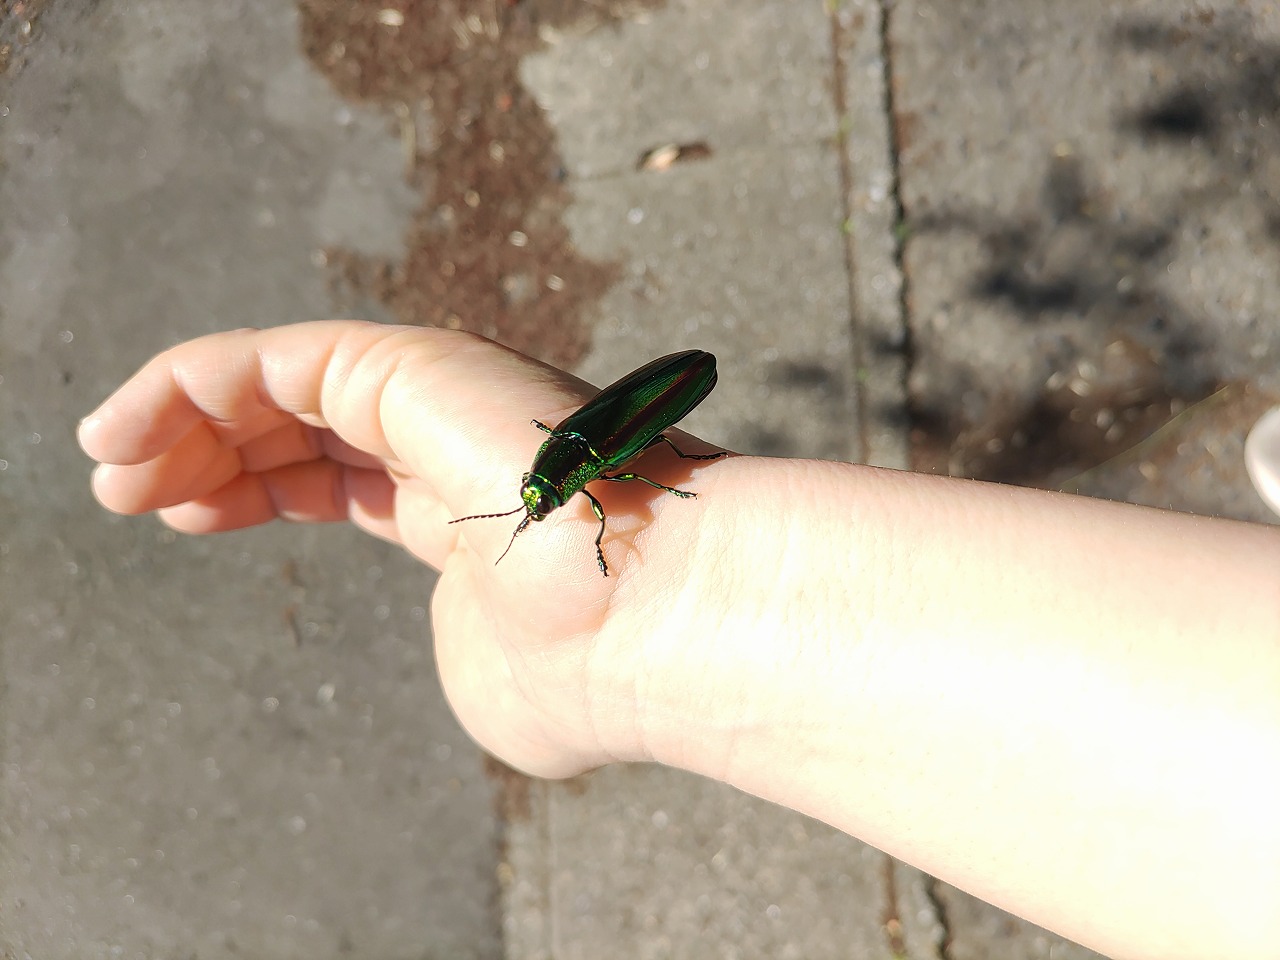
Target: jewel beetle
[{"x": 610, "y": 430}]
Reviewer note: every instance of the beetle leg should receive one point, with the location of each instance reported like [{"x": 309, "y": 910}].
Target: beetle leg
[
  {"x": 652, "y": 483},
  {"x": 543, "y": 427},
  {"x": 663, "y": 438},
  {"x": 599, "y": 512}
]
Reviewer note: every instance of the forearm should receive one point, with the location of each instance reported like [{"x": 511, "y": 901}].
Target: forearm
[{"x": 1067, "y": 706}]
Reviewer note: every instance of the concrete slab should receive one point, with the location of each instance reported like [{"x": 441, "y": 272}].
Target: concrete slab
[
  {"x": 737, "y": 76},
  {"x": 1090, "y": 251},
  {"x": 225, "y": 747},
  {"x": 1087, "y": 189},
  {"x": 660, "y": 864},
  {"x": 743, "y": 251}
]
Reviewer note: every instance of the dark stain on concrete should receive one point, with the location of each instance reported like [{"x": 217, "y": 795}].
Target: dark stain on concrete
[{"x": 488, "y": 250}]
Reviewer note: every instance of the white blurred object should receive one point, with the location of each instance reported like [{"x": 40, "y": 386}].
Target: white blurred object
[{"x": 1262, "y": 457}]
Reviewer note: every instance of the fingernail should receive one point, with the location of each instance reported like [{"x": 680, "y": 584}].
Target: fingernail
[{"x": 88, "y": 427}]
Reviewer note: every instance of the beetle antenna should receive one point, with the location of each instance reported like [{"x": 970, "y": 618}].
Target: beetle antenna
[
  {"x": 486, "y": 516},
  {"x": 523, "y": 523}
]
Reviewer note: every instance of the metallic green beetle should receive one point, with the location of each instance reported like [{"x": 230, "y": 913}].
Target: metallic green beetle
[{"x": 607, "y": 432}]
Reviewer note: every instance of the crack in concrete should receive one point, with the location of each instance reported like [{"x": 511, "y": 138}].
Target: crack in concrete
[
  {"x": 932, "y": 888},
  {"x": 891, "y": 918},
  {"x": 895, "y": 192},
  {"x": 839, "y": 79}
]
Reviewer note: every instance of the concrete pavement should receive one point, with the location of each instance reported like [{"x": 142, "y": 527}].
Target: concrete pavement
[{"x": 1025, "y": 232}]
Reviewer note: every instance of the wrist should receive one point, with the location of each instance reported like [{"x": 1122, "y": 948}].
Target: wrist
[{"x": 729, "y": 665}]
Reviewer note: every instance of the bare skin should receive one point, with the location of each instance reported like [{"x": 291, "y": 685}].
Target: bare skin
[{"x": 1068, "y": 707}]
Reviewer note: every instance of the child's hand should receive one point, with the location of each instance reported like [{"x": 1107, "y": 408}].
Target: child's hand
[{"x": 401, "y": 430}]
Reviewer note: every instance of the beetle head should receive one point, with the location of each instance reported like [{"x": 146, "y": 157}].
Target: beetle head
[{"x": 540, "y": 497}]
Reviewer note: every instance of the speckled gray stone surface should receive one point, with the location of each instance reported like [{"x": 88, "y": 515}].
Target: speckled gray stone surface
[
  {"x": 237, "y": 746},
  {"x": 233, "y": 746}
]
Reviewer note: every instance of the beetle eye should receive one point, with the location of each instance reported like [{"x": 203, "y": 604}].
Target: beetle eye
[{"x": 542, "y": 506}]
